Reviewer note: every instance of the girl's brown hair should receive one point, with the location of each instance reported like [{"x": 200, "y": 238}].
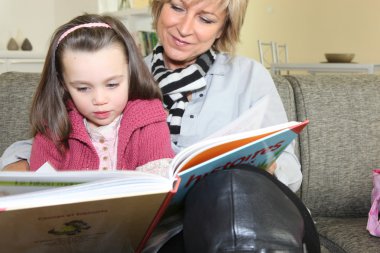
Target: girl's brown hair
[{"x": 48, "y": 112}]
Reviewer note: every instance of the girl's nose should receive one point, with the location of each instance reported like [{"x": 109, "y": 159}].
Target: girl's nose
[{"x": 99, "y": 98}]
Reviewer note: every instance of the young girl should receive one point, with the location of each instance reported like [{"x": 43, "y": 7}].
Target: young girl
[{"x": 97, "y": 106}]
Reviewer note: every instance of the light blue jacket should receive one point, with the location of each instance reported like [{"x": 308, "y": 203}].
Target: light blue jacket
[{"x": 235, "y": 85}]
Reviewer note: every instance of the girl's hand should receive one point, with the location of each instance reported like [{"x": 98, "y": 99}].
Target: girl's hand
[{"x": 272, "y": 168}]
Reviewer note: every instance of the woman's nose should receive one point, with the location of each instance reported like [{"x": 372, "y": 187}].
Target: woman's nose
[{"x": 185, "y": 26}]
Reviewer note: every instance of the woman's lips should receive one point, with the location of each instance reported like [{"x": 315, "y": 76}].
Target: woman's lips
[{"x": 179, "y": 42}]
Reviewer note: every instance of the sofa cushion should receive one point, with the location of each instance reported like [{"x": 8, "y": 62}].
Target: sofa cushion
[
  {"x": 349, "y": 235},
  {"x": 340, "y": 146},
  {"x": 16, "y": 92}
]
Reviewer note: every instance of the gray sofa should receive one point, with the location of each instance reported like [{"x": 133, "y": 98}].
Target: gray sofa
[{"x": 337, "y": 150}]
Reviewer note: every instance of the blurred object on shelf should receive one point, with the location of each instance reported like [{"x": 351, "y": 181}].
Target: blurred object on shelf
[
  {"x": 26, "y": 45},
  {"x": 106, "y": 6},
  {"x": 139, "y": 4},
  {"x": 124, "y": 4},
  {"x": 146, "y": 41},
  {"x": 339, "y": 58},
  {"x": 12, "y": 44}
]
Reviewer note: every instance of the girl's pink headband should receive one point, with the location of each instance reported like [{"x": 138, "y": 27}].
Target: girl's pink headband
[{"x": 72, "y": 29}]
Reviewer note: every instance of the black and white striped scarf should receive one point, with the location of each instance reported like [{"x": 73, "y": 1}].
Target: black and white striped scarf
[{"x": 177, "y": 84}]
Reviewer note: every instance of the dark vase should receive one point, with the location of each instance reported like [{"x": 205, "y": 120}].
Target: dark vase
[{"x": 26, "y": 45}]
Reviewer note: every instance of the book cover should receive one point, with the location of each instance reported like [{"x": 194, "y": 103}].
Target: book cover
[
  {"x": 110, "y": 225},
  {"x": 107, "y": 215},
  {"x": 260, "y": 151}
]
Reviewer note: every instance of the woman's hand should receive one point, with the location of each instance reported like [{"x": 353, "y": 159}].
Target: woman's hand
[
  {"x": 21, "y": 165},
  {"x": 272, "y": 168}
]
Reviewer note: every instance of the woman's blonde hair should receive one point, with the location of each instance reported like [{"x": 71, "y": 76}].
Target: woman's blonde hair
[{"x": 235, "y": 10}]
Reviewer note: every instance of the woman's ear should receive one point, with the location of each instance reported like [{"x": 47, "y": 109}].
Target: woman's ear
[{"x": 219, "y": 34}]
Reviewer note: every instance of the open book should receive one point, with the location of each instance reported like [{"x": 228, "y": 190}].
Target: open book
[{"x": 117, "y": 211}]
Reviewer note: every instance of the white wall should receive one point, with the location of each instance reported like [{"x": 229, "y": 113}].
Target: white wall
[
  {"x": 65, "y": 10},
  {"x": 37, "y": 19},
  {"x": 22, "y": 19},
  {"x": 309, "y": 27},
  {"x": 314, "y": 27}
]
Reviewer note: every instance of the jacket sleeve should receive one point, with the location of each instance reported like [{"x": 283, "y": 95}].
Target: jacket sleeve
[
  {"x": 155, "y": 141},
  {"x": 44, "y": 150},
  {"x": 288, "y": 169},
  {"x": 18, "y": 151}
]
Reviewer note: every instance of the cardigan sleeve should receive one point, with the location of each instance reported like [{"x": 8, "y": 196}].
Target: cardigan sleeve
[
  {"x": 154, "y": 143},
  {"x": 44, "y": 150}
]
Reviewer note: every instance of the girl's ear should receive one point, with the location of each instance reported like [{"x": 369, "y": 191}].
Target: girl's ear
[
  {"x": 64, "y": 89},
  {"x": 62, "y": 83}
]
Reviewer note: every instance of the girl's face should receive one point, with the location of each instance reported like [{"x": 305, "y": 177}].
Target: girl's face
[
  {"x": 97, "y": 82},
  {"x": 188, "y": 29}
]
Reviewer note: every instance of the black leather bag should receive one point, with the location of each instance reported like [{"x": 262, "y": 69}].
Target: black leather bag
[{"x": 246, "y": 210}]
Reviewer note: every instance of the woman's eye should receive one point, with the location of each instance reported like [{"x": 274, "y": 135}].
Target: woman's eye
[
  {"x": 176, "y": 8},
  {"x": 206, "y": 20}
]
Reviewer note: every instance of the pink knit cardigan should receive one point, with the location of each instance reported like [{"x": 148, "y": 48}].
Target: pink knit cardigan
[{"x": 143, "y": 137}]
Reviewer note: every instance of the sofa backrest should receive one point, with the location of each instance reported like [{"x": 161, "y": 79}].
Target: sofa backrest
[
  {"x": 16, "y": 92},
  {"x": 341, "y": 144},
  {"x": 286, "y": 93},
  {"x": 285, "y": 90}
]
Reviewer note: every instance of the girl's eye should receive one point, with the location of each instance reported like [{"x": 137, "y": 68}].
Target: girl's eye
[
  {"x": 112, "y": 85},
  {"x": 82, "y": 89}
]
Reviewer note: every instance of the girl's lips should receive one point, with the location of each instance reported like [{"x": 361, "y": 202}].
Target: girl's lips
[{"x": 102, "y": 115}]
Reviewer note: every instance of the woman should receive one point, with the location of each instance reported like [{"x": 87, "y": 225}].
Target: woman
[{"x": 205, "y": 86}]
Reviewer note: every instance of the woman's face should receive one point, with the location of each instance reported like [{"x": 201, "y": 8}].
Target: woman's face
[{"x": 187, "y": 29}]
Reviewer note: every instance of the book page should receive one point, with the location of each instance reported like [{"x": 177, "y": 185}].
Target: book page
[
  {"x": 250, "y": 120},
  {"x": 15, "y": 182},
  {"x": 91, "y": 191}
]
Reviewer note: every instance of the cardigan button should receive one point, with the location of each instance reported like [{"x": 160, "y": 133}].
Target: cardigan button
[{"x": 102, "y": 140}]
